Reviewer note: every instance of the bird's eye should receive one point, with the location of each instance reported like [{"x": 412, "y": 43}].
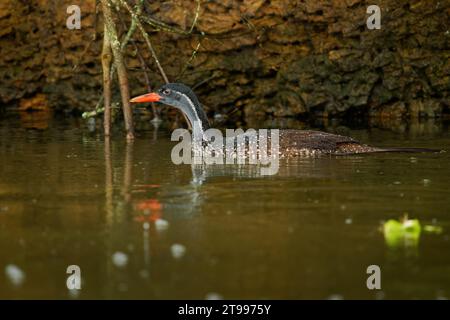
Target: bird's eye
[{"x": 166, "y": 92}]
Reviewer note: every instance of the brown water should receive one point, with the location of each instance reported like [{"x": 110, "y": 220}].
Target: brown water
[{"x": 67, "y": 198}]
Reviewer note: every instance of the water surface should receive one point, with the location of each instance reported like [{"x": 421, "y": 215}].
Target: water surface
[{"x": 117, "y": 210}]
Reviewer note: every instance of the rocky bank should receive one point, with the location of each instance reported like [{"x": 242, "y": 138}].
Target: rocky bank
[{"x": 255, "y": 58}]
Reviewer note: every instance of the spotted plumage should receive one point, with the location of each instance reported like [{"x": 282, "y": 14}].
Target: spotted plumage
[{"x": 292, "y": 143}]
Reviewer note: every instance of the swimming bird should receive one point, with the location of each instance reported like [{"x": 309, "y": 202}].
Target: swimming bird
[{"x": 291, "y": 142}]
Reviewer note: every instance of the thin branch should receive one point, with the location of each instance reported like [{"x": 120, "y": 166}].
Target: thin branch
[
  {"x": 134, "y": 16},
  {"x": 121, "y": 69},
  {"x": 197, "y": 12},
  {"x": 106, "y": 67},
  {"x": 144, "y": 66},
  {"x": 188, "y": 63},
  {"x": 132, "y": 28}
]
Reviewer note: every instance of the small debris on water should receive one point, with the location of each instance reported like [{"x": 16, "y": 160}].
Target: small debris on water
[
  {"x": 348, "y": 221},
  {"x": 433, "y": 229},
  {"x": 177, "y": 250},
  {"x": 120, "y": 259},
  {"x": 397, "y": 182},
  {"x": 426, "y": 182},
  {"x": 146, "y": 225},
  {"x": 15, "y": 274}
]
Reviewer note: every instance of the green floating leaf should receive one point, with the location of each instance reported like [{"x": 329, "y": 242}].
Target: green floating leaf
[{"x": 402, "y": 233}]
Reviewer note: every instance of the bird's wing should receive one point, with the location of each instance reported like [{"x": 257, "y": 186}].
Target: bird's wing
[{"x": 313, "y": 140}]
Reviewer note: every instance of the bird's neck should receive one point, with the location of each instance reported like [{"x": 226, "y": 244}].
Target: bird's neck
[{"x": 198, "y": 120}]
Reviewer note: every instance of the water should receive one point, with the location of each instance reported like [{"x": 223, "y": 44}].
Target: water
[{"x": 139, "y": 226}]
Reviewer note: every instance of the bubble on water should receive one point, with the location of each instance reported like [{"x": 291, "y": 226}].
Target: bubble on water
[
  {"x": 348, "y": 221},
  {"x": 161, "y": 224},
  {"x": 177, "y": 250},
  {"x": 120, "y": 259},
  {"x": 397, "y": 182},
  {"x": 15, "y": 274},
  {"x": 426, "y": 182},
  {"x": 413, "y": 160},
  {"x": 213, "y": 296}
]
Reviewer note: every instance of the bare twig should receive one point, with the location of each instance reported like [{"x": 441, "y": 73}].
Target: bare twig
[
  {"x": 188, "y": 63},
  {"x": 144, "y": 66},
  {"x": 121, "y": 69},
  {"x": 132, "y": 28},
  {"x": 159, "y": 25},
  {"x": 135, "y": 17},
  {"x": 197, "y": 13},
  {"x": 106, "y": 67}
]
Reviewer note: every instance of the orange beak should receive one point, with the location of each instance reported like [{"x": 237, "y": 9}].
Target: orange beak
[{"x": 149, "y": 97}]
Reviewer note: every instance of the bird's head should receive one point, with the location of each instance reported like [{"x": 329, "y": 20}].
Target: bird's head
[{"x": 181, "y": 97}]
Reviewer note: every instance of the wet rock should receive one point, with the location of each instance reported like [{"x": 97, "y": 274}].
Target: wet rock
[{"x": 37, "y": 103}]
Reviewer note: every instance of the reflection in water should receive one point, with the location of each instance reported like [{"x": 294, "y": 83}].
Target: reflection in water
[{"x": 69, "y": 197}]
